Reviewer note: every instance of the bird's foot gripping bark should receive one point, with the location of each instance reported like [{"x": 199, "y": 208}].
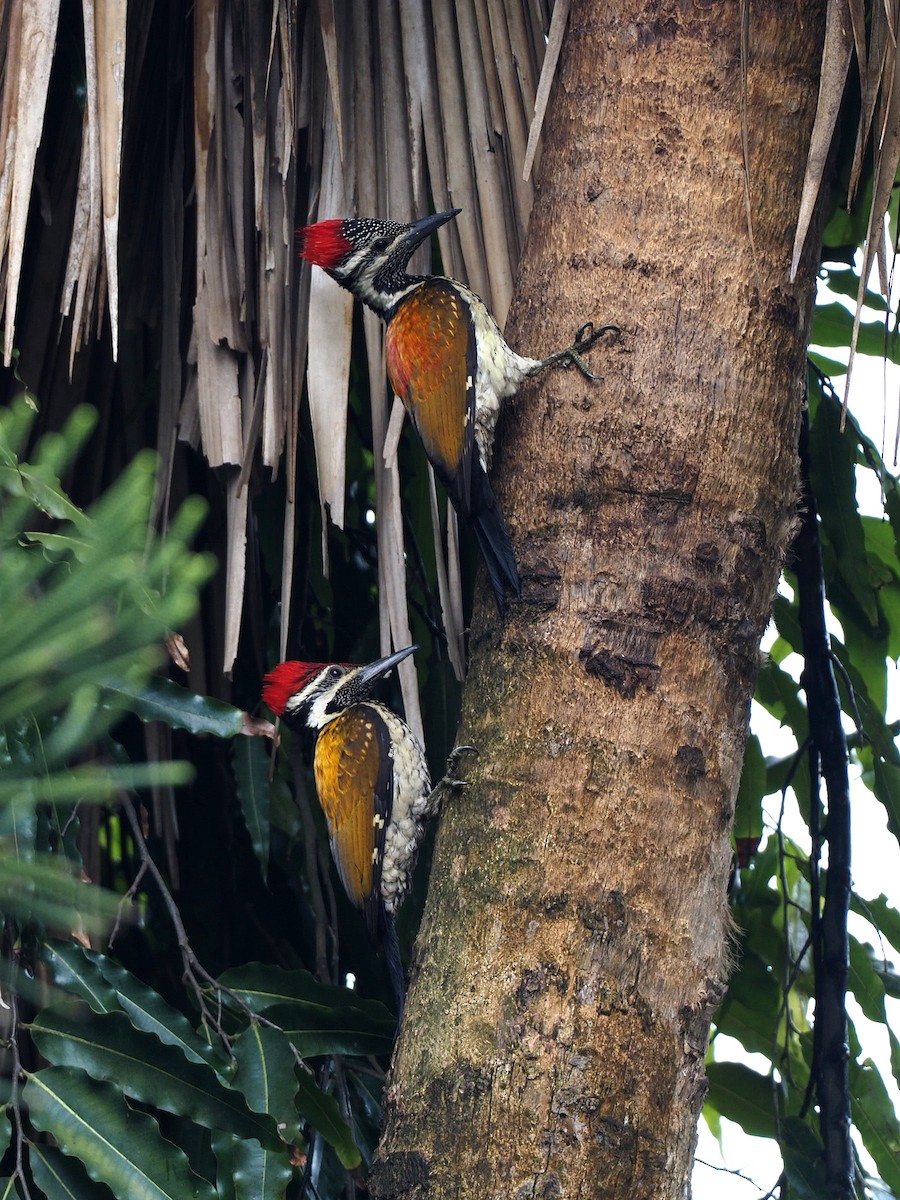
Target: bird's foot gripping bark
[
  {"x": 585, "y": 337},
  {"x": 449, "y": 782}
]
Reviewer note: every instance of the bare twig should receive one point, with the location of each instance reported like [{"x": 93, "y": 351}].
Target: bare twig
[
  {"x": 777, "y": 1186},
  {"x": 126, "y": 899},
  {"x": 195, "y": 975},
  {"x": 727, "y": 1171}
]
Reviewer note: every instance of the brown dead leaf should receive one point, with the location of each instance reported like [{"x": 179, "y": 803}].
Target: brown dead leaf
[
  {"x": 835, "y": 64},
  {"x": 177, "y": 650},
  {"x": 257, "y": 727}
]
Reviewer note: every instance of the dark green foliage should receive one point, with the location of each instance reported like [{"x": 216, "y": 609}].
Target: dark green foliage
[
  {"x": 769, "y": 1007},
  {"x": 197, "y": 1092}
]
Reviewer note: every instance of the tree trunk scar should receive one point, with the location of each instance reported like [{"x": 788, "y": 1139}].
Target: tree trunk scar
[
  {"x": 620, "y": 671},
  {"x": 690, "y": 761}
]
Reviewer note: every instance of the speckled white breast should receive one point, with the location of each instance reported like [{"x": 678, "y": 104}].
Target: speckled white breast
[
  {"x": 500, "y": 371},
  {"x": 411, "y": 808}
]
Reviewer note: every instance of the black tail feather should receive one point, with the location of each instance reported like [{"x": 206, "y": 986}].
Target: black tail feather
[
  {"x": 493, "y": 539},
  {"x": 394, "y": 962},
  {"x": 496, "y": 550}
]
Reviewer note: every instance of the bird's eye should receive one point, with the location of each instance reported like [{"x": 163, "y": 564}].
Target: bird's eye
[
  {"x": 381, "y": 244},
  {"x": 335, "y": 673}
]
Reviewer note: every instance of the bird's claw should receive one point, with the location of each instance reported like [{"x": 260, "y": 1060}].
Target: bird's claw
[
  {"x": 582, "y": 334},
  {"x": 450, "y": 781},
  {"x": 576, "y": 360},
  {"x": 585, "y": 337},
  {"x": 589, "y": 333}
]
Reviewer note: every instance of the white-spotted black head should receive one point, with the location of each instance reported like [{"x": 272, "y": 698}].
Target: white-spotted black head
[{"x": 369, "y": 257}]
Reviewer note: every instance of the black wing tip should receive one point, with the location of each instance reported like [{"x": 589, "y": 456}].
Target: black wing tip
[
  {"x": 497, "y": 552},
  {"x": 394, "y": 961}
]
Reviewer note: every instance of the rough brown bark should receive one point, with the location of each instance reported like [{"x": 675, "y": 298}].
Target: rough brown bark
[{"x": 575, "y": 940}]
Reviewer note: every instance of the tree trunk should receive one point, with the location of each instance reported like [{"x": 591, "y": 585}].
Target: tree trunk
[{"x": 575, "y": 941}]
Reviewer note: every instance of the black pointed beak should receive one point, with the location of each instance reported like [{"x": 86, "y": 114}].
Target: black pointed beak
[
  {"x": 376, "y": 669},
  {"x": 420, "y": 230}
]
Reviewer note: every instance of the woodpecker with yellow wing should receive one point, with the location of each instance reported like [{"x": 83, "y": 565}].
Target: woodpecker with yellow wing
[
  {"x": 371, "y": 779},
  {"x": 447, "y": 361}
]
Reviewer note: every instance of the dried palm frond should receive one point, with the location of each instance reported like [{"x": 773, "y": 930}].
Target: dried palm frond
[
  {"x": 325, "y": 109},
  {"x": 878, "y": 124}
]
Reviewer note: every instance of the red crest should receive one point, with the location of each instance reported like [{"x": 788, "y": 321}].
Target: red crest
[
  {"x": 289, "y": 678},
  {"x": 324, "y": 244},
  {"x": 286, "y": 680}
]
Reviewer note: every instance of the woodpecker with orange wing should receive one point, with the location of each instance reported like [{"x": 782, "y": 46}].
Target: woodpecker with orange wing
[
  {"x": 371, "y": 779},
  {"x": 447, "y": 361}
]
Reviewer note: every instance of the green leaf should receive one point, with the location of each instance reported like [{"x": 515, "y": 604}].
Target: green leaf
[
  {"x": 318, "y": 1018},
  {"x": 804, "y": 1165},
  {"x": 108, "y": 987},
  {"x": 779, "y": 693},
  {"x": 743, "y": 1096},
  {"x": 713, "y": 1120},
  {"x": 887, "y": 790},
  {"x": 750, "y": 1010},
  {"x": 118, "y": 1145},
  {"x": 45, "y": 891},
  {"x": 89, "y": 782},
  {"x": 259, "y": 1174},
  {"x": 108, "y": 1046},
  {"x": 864, "y": 981},
  {"x": 833, "y": 481},
  {"x": 880, "y": 913},
  {"x": 828, "y": 366},
  {"x": 866, "y": 649},
  {"x": 833, "y": 326},
  {"x": 42, "y": 489},
  {"x": 873, "y": 1115},
  {"x": 265, "y": 1076},
  {"x": 846, "y": 283},
  {"x": 881, "y": 546},
  {"x": 60, "y": 543},
  {"x": 8, "y": 1188},
  {"x": 250, "y": 761},
  {"x": 895, "y": 1055},
  {"x": 162, "y": 700},
  {"x": 223, "y": 1147},
  {"x": 262, "y": 985},
  {"x": 75, "y": 970},
  {"x": 846, "y": 230},
  {"x": 61, "y": 1177},
  {"x": 786, "y": 617},
  {"x": 748, "y": 816},
  {"x": 325, "y": 1115},
  {"x": 314, "y": 1031}
]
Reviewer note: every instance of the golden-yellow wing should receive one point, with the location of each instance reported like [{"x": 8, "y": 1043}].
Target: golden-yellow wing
[
  {"x": 431, "y": 362},
  {"x": 354, "y": 781}
]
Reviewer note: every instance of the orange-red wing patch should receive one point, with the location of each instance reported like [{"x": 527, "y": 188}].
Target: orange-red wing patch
[
  {"x": 431, "y": 366},
  {"x": 354, "y": 783}
]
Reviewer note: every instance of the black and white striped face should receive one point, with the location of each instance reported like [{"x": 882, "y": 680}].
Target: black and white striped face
[
  {"x": 375, "y": 270},
  {"x": 369, "y": 257},
  {"x": 301, "y": 692},
  {"x": 312, "y": 694}
]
